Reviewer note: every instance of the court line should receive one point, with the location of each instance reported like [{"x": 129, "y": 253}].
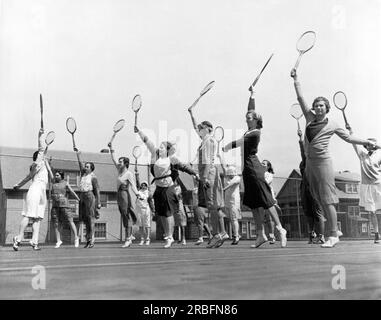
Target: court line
[{"x": 131, "y": 263}]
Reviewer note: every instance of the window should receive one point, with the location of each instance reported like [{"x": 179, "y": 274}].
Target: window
[
  {"x": 112, "y": 197},
  {"x": 354, "y": 210},
  {"x": 351, "y": 188},
  {"x": 364, "y": 227},
  {"x": 100, "y": 230},
  {"x": 28, "y": 232},
  {"x": 72, "y": 177},
  {"x": 244, "y": 228},
  {"x": 104, "y": 200}
]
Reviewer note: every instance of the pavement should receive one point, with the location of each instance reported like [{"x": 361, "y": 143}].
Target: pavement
[{"x": 351, "y": 270}]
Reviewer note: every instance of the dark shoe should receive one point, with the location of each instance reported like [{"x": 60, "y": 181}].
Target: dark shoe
[
  {"x": 312, "y": 237},
  {"x": 221, "y": 241},
  {"x": 35, "y": 246},
  {"x": 87, "y": 244},
  {"x": 212, "y": 241},
  {"x": 91, "y": 245},
  {"x": 235, "y": 241},
  {"x": 376, "y": 238},
  {"x": 319, "y": 239},
  {"x": 16, "y": 244}
]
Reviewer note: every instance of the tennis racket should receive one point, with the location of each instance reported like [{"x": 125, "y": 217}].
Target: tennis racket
[
  {"x": 257, "y": 78},
  {"x": 41, "y": 112},
  {"x": 136, "y": 152},
  {"x": 49, "y": 139},
  {"x": 340, "y": 102},
  {"x": 136, "y": 105},
  {"x": 203, "y": 91},
  {"x": 305, "y": 43},
  {"x": 117, "y": 127},
  {"x": 296, "y": 112},
  {"x": 219, "y": 136},
  {"x": 71, "y": 126}
]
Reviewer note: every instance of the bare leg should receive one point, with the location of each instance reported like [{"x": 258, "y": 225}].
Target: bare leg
[
  {"x": 374, "y": 221},
  {"x": 36, "y": 230},
  {"x": 73, "y": 228},
  {"x": 23, "y": 224},
  {"x": 331, "y": 214}
]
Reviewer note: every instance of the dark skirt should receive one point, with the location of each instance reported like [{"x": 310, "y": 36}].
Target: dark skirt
[
  {"x": 166, "y": 202},
  {"x": 125, "y": 207},
  {"x": 257, "y": 192}
]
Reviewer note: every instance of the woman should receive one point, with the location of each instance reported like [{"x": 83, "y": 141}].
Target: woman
[
  {"x": 124, "y": 181},
  {"x": 257, "y": 194},
  {"x": 35, "y": 203},
  {"x": 210, "y": 189},
  {"x": 269, "y": 223},
  {"x": 163, "y": 167},
  {"x": 319, "y": 169},
  {"x": 89, "y": 199},
  {"x": 61, "y": 208}
]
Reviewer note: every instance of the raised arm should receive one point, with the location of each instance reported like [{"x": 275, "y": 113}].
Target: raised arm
[
  {"x": 132, "y": 183},
  {"x": 223, "y": 164},
  {"x": 151, "y": 147},
  {"x": 194, "y": 122},
  {"x": 78, "y": 153},
  {"x": 112, "y": 153},
  {"x": 308, "y": 114},
  {"x": 70, "y": 189}
]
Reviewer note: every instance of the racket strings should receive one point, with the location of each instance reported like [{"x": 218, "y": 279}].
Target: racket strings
[
  {"x": 50, "y": 137},
  {"x": 219, "y": 134},
  {"x": 136, "y": 103},
  {"x": 137, "y": 152},
  {"x": 207, "y": 88},
  {"x": 306, "y": 41},
  {"x": 71, "y": 125},
  {"x": 296, "y": 111},
  {"x": 340, "y": 100},
  {"x": 119, "y": 125}
]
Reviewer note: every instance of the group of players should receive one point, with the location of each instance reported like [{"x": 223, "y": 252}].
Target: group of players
[{"x": 221, "y": 197}]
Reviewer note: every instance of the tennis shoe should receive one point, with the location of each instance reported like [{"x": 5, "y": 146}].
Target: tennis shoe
[
  {"x": 331, "y": 242},
  {"x": 16, "y": 244},
  {"x": 261, "y": 239},
  {"x": 58, "y": 244}
]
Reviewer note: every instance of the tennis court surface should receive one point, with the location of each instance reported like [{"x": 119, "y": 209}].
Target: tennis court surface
[{"x": 352, "y": 270}]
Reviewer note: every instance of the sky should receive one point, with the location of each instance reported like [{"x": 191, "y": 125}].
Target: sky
[{"x": 89, "y": 58}]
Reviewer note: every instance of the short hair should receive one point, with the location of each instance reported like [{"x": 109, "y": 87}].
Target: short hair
[
  {"x": 325, "y": 100},
  {"x": 206, "y": 124},
  {"x": 61, "y": 173},
  {"x": 256, "y": 116},
  {"x": 92, "y": 166},
  {"x": 126, "y": 161}
]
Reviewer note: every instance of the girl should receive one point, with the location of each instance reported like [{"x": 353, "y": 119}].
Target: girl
[
  {"x": 180, "y": 216},
  {"x": 232, "y": 197},
  {"x": 144, "y": 212},
  {"x": 257, "y": 195},
  {"x": 89, "y": 199},
  {"x": 35, "y": 203},
  {"x": 60, "y": 208},
  {"x": 124, "y": 181},
  {"x": 319, "y": 169},
  {"x": 163, "y": 167}
]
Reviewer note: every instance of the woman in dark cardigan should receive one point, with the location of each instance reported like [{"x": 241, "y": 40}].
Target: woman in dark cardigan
[{"x": 257, "y": 193}]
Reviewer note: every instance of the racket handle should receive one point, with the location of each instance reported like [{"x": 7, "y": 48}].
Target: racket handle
[
  {"x": 42, "y": 112},
  {"x": 298, "y": 125},
  {"x": 72, "y": 138},
  {"x": 112, "y": 138},
  {"x": 194, "y": 103},
  {"x": 298, "y": 61},
  {"x": 136, "y": 119},
  {"x": 347, "y": 126}
]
